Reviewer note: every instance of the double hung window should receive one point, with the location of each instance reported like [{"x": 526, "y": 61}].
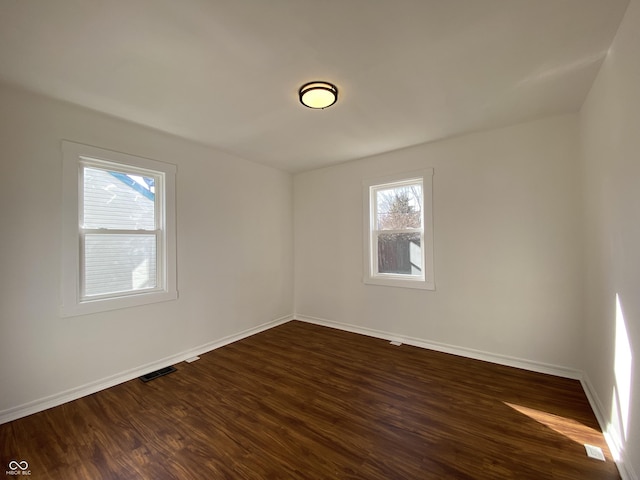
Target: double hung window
[
  {"x": 119, "y": 230},
  {"x": 398, "y": 231}
]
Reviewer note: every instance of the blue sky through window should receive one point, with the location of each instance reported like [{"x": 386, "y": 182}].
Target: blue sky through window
[{"x": 143, "y": 185}]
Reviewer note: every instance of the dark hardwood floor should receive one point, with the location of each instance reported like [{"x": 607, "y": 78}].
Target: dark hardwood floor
[{"x": 301, "y": 401}]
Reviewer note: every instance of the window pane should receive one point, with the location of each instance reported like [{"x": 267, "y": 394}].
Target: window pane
[
  {"x": 399, "y": 253},
  {"x": 118, "y": 201},
  {"x": 119, "y": 263},
  {"x": 399, "y": 208}
]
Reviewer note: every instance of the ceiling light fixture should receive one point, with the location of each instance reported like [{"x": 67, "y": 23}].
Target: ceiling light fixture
[{"x": 318, "y": 94}]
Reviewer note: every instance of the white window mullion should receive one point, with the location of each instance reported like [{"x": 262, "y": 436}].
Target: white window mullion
[
  {"x": 403, "y": 230},
  {"x": 374, "y": 253},
  {"x": 113, "y": 231},
  {"x": 423, "y": 252},
  {"x": 81, "y": 263},
  {"x": 160, "y": 263}
]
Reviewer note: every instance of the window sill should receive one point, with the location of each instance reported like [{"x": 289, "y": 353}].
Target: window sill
[
  {"x": 401, "y": 283},
  {"x": 106, "y": 304}
]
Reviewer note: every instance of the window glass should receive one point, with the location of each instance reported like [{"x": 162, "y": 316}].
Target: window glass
[
  {"x": 118, "y": 200},
  {"x": 118, "y": 208},
  {"x": 119, "y": 263},
  {"x": 399, "y": 208},
  {"x": 398, "y": 231},
  {"x": 400, "y": 253}
]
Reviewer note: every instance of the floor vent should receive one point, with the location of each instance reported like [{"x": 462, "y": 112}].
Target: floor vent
[
  {"x": 157, "y": 373},
  {"x": 594, "y": 452}
]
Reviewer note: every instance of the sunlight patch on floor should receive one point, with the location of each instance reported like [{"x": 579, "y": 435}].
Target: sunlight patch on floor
[{"x": 568, "y": 427}]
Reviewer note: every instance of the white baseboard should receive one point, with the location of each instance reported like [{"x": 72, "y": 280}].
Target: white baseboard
[
  {"x": 624, "y": 467},
  {"x": 445, "y": 348},
  {"x": 93, "y": 387}
]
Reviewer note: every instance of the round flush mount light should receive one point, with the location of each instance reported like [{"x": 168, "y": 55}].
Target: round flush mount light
[{"x": 318, "y": 94}]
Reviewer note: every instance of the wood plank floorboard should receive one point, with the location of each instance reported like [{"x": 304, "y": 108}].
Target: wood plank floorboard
[{"x": 302, "y": 401}]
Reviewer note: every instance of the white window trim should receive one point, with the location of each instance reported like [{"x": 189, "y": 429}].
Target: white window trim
[
  {"x": 371, "y": 277},
  {"x": 74, "y": 156}
]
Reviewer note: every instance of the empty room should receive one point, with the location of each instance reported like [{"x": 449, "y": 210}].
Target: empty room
[{"x": 296, "y": 239}]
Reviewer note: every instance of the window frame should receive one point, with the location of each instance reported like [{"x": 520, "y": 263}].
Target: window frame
[
  {"x": 77, "y": 157},
  {"x": 372, "y": 276}
]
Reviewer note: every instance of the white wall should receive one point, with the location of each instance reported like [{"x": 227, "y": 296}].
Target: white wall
[
  {"x": 234, "y": 240},
  {"x": 610, "y": 139},
  {"x": 507, "y": 245}
]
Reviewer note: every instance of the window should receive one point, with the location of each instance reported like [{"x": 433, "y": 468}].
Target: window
[
  {"x": 398, "y": 231},
  {"x": 118, "y": 230}
]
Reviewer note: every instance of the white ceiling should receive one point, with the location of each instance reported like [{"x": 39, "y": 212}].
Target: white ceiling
[{"x": 226, "y": 72}]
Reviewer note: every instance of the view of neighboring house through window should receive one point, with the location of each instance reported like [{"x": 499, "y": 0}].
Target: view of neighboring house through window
[
  {"x": 398, "y": 231},
  {"x": 119, "y": 235},
  {"x": 119, "y": 230}
]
